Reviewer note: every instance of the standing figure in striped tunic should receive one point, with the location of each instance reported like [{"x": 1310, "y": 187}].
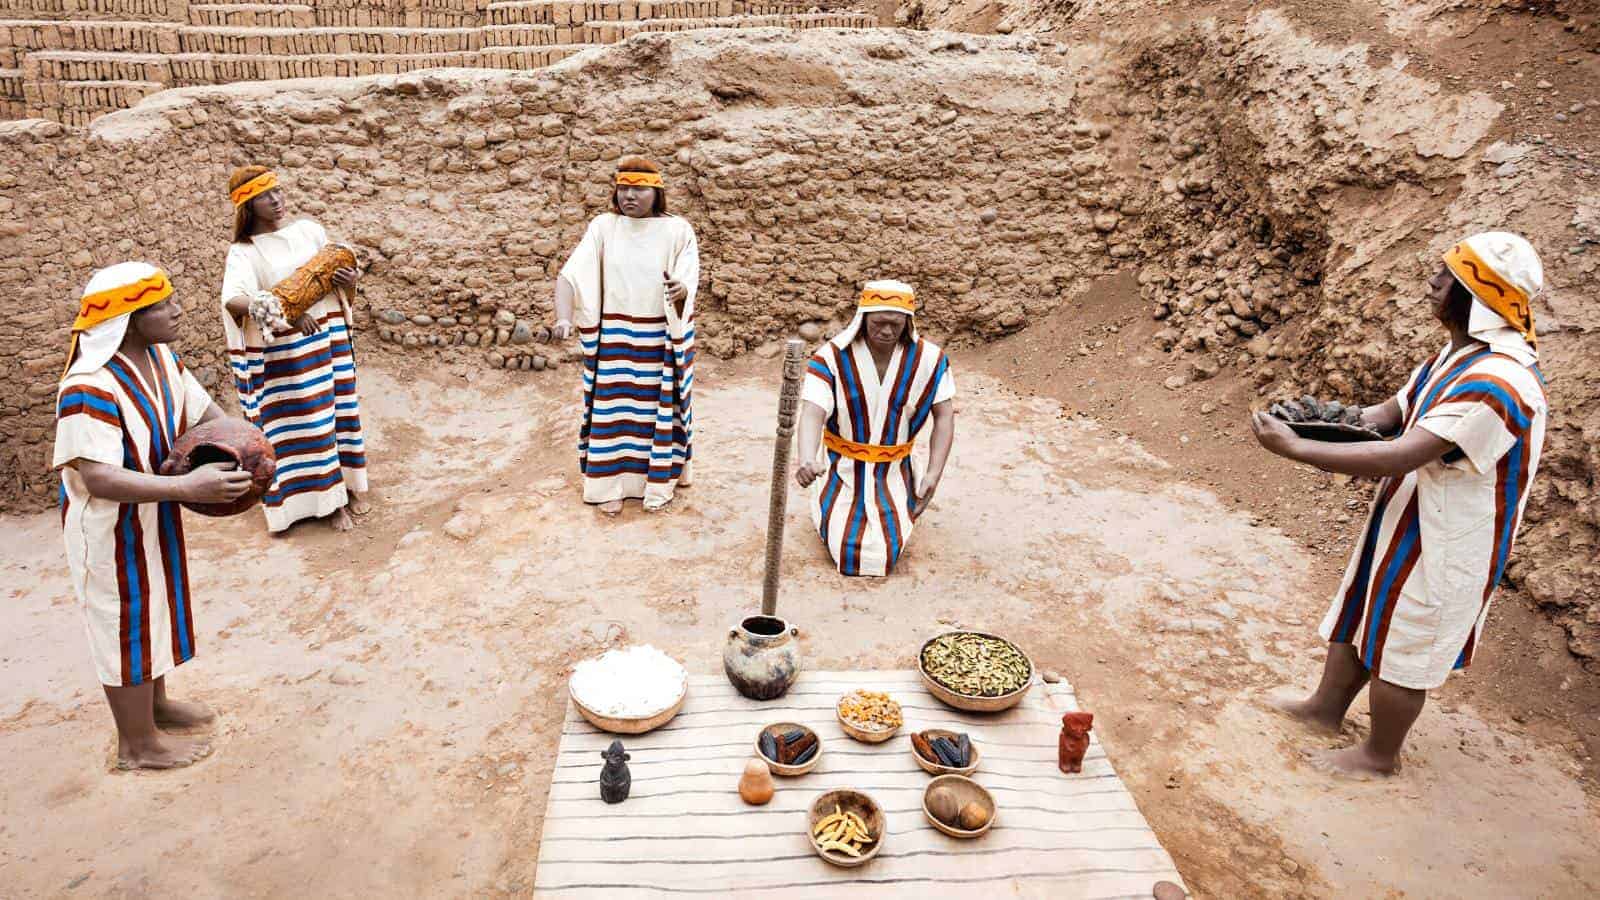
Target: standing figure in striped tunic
[
  {"x": 869, "y": 392},
  {"x": 630, "y": 288},
  {"x": 123, "y": 402},
  {"x": 1470, "y": 425},
  {"x": 296, "y": 380}
]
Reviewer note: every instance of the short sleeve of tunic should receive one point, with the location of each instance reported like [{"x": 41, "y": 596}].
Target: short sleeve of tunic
[
  {"x": 946, "y": 389},
  {"x": 817, "y": 383},
  {"x": 1482, "y": 414},
  {"x": 88, "y": 423}
]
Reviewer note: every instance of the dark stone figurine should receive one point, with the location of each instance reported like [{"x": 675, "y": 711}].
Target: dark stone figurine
[{"x": 614, "y": 778}]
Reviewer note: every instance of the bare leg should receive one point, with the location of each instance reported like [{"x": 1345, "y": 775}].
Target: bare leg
[
  {"x": 1394, "y": 710},
  {"x": 1343, "y": 677},
  {"x": 358, "y": 504},
  {"x": 611, "y": 507},
  {"x": 139, "y": 744},
  {"x": 170, "y": 713},
  {"x": 340, "y": 519}
]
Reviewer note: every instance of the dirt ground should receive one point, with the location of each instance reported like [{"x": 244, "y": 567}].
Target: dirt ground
[{"x": 390, "y": 699}]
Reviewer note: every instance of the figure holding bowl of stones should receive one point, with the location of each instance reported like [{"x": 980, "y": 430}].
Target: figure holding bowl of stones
[
  {"x": 628, "y": 290},
  {"x": 296, "y": 380}
]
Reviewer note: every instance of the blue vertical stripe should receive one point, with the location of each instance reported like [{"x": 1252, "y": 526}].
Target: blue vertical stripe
[{"x": 136, "y": 598}]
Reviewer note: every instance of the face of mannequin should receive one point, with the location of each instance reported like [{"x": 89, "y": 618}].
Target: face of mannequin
[
  {"x": 884, "y": 330},
  {"x": 269, "y": 209},
  {"x": 157, "y": 324},
  {"x": 636, "y": 202}
]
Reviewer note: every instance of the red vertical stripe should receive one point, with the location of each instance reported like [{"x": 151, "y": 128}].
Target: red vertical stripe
[{"x": 125, "y": 616}]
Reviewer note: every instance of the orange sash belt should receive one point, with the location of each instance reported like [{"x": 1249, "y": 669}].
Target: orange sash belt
[{"x": 872, "y": 453}]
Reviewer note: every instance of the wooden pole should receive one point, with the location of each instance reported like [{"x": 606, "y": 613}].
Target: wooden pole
[{"x": 794, "y": 359}]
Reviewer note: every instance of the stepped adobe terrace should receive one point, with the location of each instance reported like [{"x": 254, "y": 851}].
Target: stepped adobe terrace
[{"x": 73, "y": 60}]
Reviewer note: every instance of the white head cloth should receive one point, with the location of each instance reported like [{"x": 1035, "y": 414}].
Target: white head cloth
[
  {"x": 888, "y": 285},
  {"x": 1515, "y": 260},
  {"x": 99, "y": 343}
]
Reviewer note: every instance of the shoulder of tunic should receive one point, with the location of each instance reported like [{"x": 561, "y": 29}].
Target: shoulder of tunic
[
  {"x": 934, "y": 349},
  {"x": 1513, "y": 373},
  {"x": 100, "y": 378}
]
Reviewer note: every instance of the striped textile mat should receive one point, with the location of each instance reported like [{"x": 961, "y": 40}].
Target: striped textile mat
[{"x": 684, "y": 831}]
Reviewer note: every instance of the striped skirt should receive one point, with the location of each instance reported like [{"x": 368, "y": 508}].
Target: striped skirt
[
  {"x": 635, "y": 441},
  {"x": 301, "y": 391}
]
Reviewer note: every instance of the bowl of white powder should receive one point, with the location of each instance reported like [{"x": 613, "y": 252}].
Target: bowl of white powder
[{"x": 629, "y": 690}]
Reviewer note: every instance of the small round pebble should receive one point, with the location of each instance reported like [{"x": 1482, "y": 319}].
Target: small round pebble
[
  {"x": 1050, "y": 676},
  {"x": 1166, "y": 890}
]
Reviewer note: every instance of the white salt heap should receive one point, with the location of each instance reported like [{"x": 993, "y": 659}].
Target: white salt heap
[{"x": 629, "y": 683}]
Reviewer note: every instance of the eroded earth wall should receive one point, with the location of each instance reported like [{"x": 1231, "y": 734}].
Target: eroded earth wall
[{"x": 1282, "y": 200}]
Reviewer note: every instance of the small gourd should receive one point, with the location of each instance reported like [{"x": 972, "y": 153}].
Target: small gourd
[{"x": 755, "y": 785}]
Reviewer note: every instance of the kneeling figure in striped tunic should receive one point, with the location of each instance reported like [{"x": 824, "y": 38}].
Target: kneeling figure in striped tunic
[
  {"x": 1470, "y": 423},
  {"x": 124, "y": 401},
  {"x": 869, "y": 392}
]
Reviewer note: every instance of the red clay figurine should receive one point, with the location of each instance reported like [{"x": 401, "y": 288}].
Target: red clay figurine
[{"x": 1074, "y": 740}]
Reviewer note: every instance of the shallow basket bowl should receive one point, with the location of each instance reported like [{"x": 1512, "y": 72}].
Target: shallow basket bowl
[
  {"x": 969, "y": 702},
  {"x": 847, "y": 801},
  {"x": 866, "y": 735},
  {"x": 778, "y": 768},
  {"x": 967, "y": 791},
  {"x": 934, "y": 767},
  {"x": 633, "y": 725}
]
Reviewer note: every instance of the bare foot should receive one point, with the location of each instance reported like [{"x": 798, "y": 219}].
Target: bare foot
[
  {"x": 1354, "y": 762},
  {"x": 340, "y": 519},
  {"x": 611, "y": 507},
  {"x": 1305, "y": 712},
  {"x": 1166, "y": 890},
  {"x": 161, "y": 752},
  {"x": 358, "y": 504},
  {"x": 183, "y": 714}
]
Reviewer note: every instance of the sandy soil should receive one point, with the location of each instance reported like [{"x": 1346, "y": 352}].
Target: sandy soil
[{"x": 390, "y": 700}]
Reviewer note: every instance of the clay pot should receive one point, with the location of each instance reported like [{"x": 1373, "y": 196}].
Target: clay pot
[
  {"x": 762, "y": 657},
  {"x": 225, "y": 440}
]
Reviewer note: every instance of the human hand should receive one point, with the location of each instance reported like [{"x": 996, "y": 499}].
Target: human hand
[
  {"x": 214, "y": 483},
  {"x": 676, "y": 292},
  {"x": 1273, "y": 434},
  {"x": 562, "y": 331},
  {"x": 806, "y": 473},
  {"x": 346, "y": 276},
  {"x": 919, "y": 503},
  {"x": 308, "y": 325}
]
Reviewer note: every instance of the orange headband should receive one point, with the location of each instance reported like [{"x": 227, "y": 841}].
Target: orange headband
[
  {"x": 253, "y": 188},
  {"x": 103, "y": 306},
  {"x": 640, "y": 179},
  {"x": 904, "y": 300},
  {"x": 1496, "y": 293}
]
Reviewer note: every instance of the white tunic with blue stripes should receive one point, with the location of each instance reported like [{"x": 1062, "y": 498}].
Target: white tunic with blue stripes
[
  {"x": 636, "y": 437},
  {"x": 300, "y": 390},
  {"x": 1437, "y": 539}
]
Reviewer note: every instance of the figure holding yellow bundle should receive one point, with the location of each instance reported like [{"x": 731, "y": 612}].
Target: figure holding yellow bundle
[
  {"x": 869, "y": 392},
  {"x": 286, "y": 310}
]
